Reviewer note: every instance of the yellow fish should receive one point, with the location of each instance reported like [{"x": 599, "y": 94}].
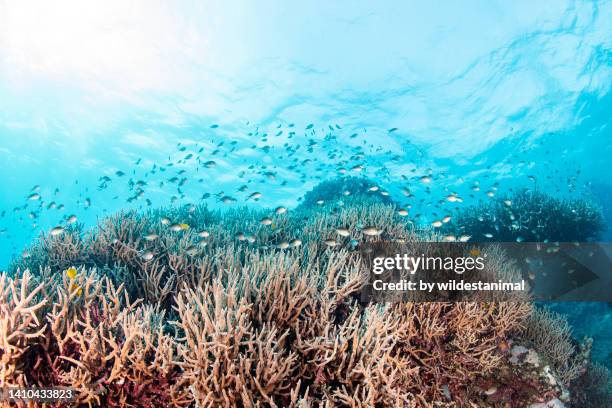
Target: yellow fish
[
  {"x": 77, "y": 288},
  {"x": 474, "y": 252},
  {"x": 184, "y": 227},
  {"x": 71, "y": 272}
]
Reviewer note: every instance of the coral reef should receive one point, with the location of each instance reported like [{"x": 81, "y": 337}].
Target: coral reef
[
  {"x": 187, "y": 307},
  {"x": 345, "y": 189},
  {"x": 593, "y": 389},
  {"x": 529, "y": 216}
]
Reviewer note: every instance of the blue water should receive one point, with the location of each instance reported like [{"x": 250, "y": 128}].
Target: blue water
[{"x": 491, "y": 92}]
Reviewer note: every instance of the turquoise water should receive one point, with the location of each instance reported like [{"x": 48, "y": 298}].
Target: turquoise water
[{"x": 113, "y": 107}]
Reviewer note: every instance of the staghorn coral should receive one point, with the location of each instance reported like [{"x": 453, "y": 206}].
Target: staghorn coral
[
  {"x": 112, "y": 352},
  {"x": 550, "y": 334},
  {"x": 219, "y": 319},
  {"x": 21, "y": 324},
  {"x": 593, "y": 388},
  {"x": 345, "y": 189},
  {"x": 530, "y": 216}
]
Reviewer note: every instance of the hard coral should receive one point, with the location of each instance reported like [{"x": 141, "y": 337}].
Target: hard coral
[
  {"x": 530, "y": 216},
  {"x": 345, "y": 189},
  {"x": 227, "y": 313}
]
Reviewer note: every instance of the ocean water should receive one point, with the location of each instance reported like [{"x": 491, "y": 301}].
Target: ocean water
[{"x": 126, "y": 106}]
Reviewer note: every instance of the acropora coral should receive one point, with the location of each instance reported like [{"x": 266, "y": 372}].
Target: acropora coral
[
  {"x": 530, "y": 216},
  {"x": 232, "y": 312},
  {"x": 345, "y": 189}
]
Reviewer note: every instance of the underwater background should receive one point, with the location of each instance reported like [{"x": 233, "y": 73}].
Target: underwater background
[{"x": 151, "y": 104}]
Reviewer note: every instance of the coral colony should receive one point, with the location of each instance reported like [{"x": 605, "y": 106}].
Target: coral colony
[{"x": 191, "y": 307}]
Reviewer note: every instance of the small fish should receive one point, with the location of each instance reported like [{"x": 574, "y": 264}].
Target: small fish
[
  {"x": 34, "y": 197},
  {"x": 295, "y": 243},
  {"x": 192, "y": 250},
  {"x": 203, "y": 234},
  {"x": 452, "y": 198},
  {"x": 151, "y": 237},
  {"x": 280, "y": 210},
  {"x": 449, "y": 238},
  {"x": 266, "y": 221},
  {"x": 57, "y": 231},
  {"x": 184, "y": 227},
  {"x": 283, "y": 245},
  {"x": 474, "y": 251},
  {"x": 147, "y": 256},
  {"x": 425, "y": 179},
  {"x": 357, "y": 168},
  {"x": 76, "y": 289},
  {"x": 373, "y": 188},
  {"x": 330, "y": 242},
  {"x": 176, "y": 227},
  {"x": 227, "y": 200},
  {"x": 320, "y": 202},
  {"x": 490, "y": 193},
  {"x": 488, "y": 235},
  {"x": 446, "y": 219},
  {"x": 464, "y": 238},
  {"x": 343, "y": 232},
  {"x": 71, "y": 272},
  {"x": 402, "y": 212},
  {"x": 254, "y": 196},
  {"x": 72, "y": 219},
  {"x": 520, "y": 239},
  {"x": 508, "y": 202},
  {"x": 437, "y": 224},
  {"x": 371, "y": 231},
  {"x": 210, "y": 164},
  {"x": 165, "y": 221},
  {"x": 240, "y": 236}
]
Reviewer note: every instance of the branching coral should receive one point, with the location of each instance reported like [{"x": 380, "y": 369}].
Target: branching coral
[
  {"x": 21, "y": 324},
  {"x": 112, "y": 352},
  {"x": 530, "y": 216},
  {"x": 550, "y": 335},
  {"x": 192, "y": 307},
  {"x": 593, "y": 389},
  {"x": 347, "y": 189}
]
